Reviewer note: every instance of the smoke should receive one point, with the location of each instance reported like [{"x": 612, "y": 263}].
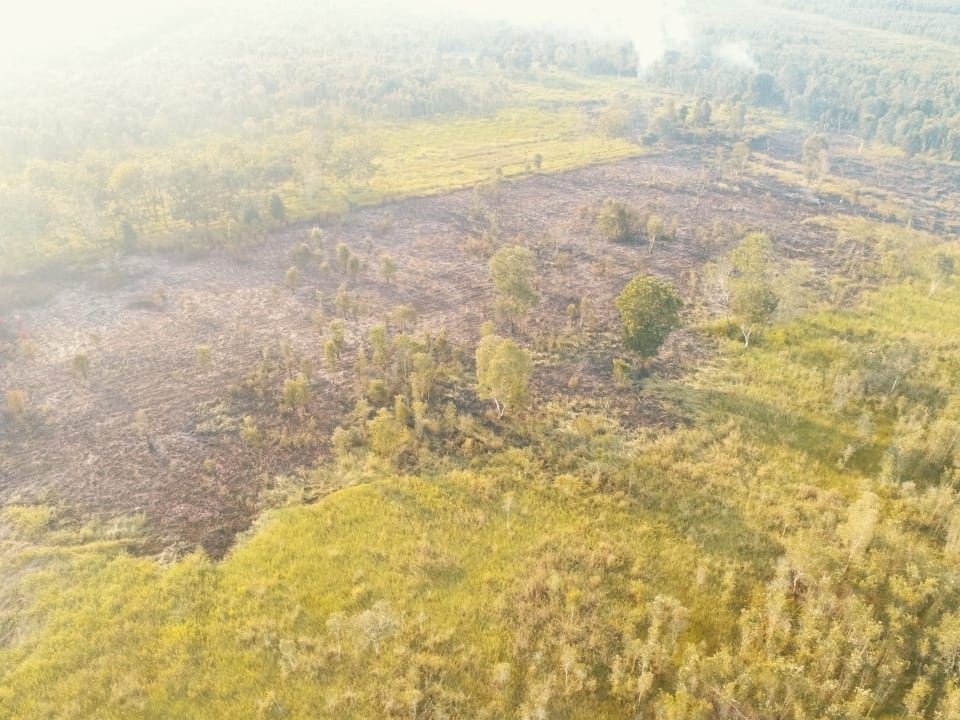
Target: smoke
[
  {"x": 43, "y": 26},
  {"x": 660, "y": 26},
  {"x": 737, "y": 54},
  {"x": 654, "y": 26}
]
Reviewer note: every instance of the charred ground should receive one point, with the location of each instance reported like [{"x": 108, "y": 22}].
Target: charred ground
[{"x": 150, "y": 431}]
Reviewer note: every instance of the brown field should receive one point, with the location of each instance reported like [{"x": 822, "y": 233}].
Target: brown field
[{"x": 150, "y": 432}]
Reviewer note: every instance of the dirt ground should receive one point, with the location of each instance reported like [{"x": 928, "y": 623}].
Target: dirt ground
[{"x": 148, "y": 431}]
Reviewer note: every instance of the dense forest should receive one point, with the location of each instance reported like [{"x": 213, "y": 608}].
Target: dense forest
[
  {"x": 844, "y": 67},
  {"x": 362, "y": 364}
]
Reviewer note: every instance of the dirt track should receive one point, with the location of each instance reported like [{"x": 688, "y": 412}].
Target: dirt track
[{"x": 129, "y": 438}]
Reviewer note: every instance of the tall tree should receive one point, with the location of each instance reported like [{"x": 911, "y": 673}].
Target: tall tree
[
  {"x": 616, "y": 221},
  {"x": 753, "y": 299},
  {"x": 650, "y": 310},
  {"x": 503, "y": 372},
  {"x": 513, "y": 271}
]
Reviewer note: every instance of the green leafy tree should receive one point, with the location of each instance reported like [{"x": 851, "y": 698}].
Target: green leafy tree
[
  {"x": 616, "y": 221},
  {"x": 738, "y": 118},
  {"x": 250, "y": 433},
  {"x": 334, "y": 346},
  {"x": 343, "y": 256},
  {"x": 301, "y": 255},
  {"x": 292, "y": 277},
  {"x": 753, "y": 303},
  {"x": 650, "y": 310},
  {"x": 296, "y": 392},
  {"x": 752, "y": 255},
  {"x": 702, "y": 112},
  {"x": 621, "y": 372},
  {"x": 503, "y": 372},
  {"x": 753, "y": 299},
  {"x": 655, "y": 229},
  {"x": 353, "y": 268},
  {"x": 388, "y": 269},
  {"x": 278, "y": 210},
  {"x": 404, "y": 317},
  {"x": 739, "y": 156},
  {"x": 389, "y": 435},
  {"x": 377, "y": 392},
  {"x": 514, "y": 271}
]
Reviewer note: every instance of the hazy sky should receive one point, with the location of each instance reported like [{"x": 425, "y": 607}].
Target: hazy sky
[{"x": 57, "y": 27}]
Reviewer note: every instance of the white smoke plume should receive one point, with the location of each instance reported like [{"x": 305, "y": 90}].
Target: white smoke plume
[
  {"x": 654, "y": 26},
  {"x": 737, "y": 54}
]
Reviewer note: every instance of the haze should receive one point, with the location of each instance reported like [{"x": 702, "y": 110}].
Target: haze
[
  {"x": 490, "y": 360},
  {"x": 58, "y": 30}
]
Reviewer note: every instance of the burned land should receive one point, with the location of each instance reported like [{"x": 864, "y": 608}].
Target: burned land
[{"x": 152, "y": 421}]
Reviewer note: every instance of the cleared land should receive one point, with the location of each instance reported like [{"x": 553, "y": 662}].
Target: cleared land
[{"x": 150, "y": 432}]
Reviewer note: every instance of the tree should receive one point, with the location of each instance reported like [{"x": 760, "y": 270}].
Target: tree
[
  {"x": 388, "y": 269},
  {"x": 503, "y": 372},
  {"x": 941, "y": 268},
  {"x": 81, "y": 365},
  {"x": 353, "y": 268},
  {"x": 250, "y": 433},
  {"x": 204, "y": 357},
  {"x": 333, "y": 347},
  {"x": 343, "y": 256},
  {"x": 752, "y": 298},
  {"x": 655, "y": 229},
  {"x": 739, "y": 156},
  {"x": 621, "y": 372},
  {"x": 816, "y": 159},
  {"x": 650, "y": 310},
  {"x": 296, "y": 392},
  {"x": 301, "y": 255},
  {"x": 513, "y": 271},
  {"x": 376, "y": 624},
  {"x": 752, "y": 255},
  {"x": 702, "y": 112},
  {"x": 16, "y": 404},
  {"x": 343, "y": 301},
  {"x": 404, "y": 317},
  {"x": 389, "y": 434},
  {"x": 763, "y": 87},
  {"x": 753, "y": 303},
  {"x": 292, "y": 277},
  {"x": 616, "y": 221},
  {"x": 278, "y": 210},
  {"x": 738, "y": 118},
  {"x": 126, "y": 178}
]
